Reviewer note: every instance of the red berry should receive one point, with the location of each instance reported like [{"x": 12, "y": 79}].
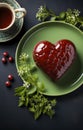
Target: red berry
[
  {"x": 10, "y": 77},
  {"x": 5, "y": 54},
  {"x": 7, "y": 83},
  {"x": 10, "y": 59},
  {"x": 4, "y": 60}
]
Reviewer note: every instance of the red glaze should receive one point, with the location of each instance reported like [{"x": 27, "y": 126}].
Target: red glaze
[{"x": 54, "y": 60}]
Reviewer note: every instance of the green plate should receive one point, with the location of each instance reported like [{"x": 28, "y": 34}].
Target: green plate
[{"x": 54, "y": 31}]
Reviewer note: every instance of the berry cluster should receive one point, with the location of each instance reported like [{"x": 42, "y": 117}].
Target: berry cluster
[
  {"x": 10, "y": 78},
  {"x": 7, "y": 58}
]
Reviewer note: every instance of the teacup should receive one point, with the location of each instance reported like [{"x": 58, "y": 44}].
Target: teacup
[{"x": 8, "y": 16}]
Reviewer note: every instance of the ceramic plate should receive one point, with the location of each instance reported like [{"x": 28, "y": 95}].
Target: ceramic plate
[
  {"x": 13, "y": 32},
  {"x": 54, "y": 31}
]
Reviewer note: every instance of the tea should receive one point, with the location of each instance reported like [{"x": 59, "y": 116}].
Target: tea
[
  {"x": 8, "y": 16},
  {"x": 5, "y": 17}
]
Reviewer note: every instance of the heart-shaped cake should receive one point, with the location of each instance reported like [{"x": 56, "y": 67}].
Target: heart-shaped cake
[{"x": 54, "y": 59}]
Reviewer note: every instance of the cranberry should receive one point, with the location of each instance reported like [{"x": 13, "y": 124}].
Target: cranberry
[
  {"x": 10, "y": 59},
  {"x": 7, "y": 83},
  {"x": 5, "y": 54},
  {"x": 4, "y": 60},
  {"x": 10, "y": 77}
]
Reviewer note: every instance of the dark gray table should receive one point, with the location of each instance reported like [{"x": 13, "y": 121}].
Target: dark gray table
[{"x": 69, "y": 109}]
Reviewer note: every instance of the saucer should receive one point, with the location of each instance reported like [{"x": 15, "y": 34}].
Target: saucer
[{"x": 14, "y": 31}]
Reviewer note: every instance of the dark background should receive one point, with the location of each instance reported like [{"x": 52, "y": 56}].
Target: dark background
[{"x": 69, "y": 108}]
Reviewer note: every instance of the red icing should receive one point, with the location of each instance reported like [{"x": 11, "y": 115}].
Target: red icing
[{"x": 54, "y": 60}]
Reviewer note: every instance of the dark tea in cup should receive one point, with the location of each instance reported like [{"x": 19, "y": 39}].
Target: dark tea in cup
[
  {"x": 8, "y": 16},
  {"x": 5, "y": 17}
]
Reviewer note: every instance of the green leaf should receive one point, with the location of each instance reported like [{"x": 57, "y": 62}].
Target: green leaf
[
  {"x": 32, "y": 90},
  {"x": 62, "y": 15},
  {"x": 50, "y": 113},
  {"x": 30, "y": 94},
  {"x": 53, "y": 18},
  {"x": 21, "y": 101},
  {"x": 53, "y": 102},
  {"x": 41, "y": 87},
  {"x": 71, "y": 16},
  {"x": 32, "y": 109},
  {"x": 37, "y": 114},
  {"x": 19, "y": 89},
  {"x": 27, "y": 102}
]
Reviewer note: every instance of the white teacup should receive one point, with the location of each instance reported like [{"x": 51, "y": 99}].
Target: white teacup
[{"x": 8, "y": 16}]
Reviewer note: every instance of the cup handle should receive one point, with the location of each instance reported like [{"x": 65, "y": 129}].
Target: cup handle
[{"x": 23, "y": 12}]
